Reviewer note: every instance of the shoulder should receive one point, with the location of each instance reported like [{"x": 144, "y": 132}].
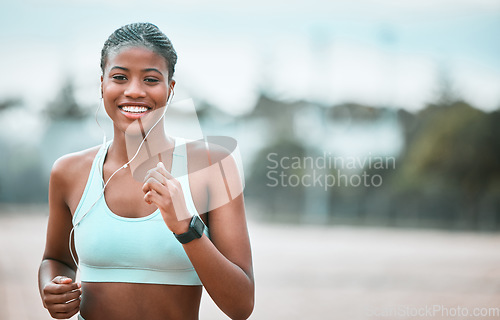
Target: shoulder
[
  {"x": 211, "y": 151},
  {"x": 221, "y": 158},
  {"x": 72, "y": 165}
]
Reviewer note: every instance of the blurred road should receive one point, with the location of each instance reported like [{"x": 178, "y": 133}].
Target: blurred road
[{"x": 309, "y": 272}]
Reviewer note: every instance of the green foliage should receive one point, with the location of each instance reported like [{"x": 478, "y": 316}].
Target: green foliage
[
  {"x": 447, "y": 176},
  {"x": 451, "y": 166},
  {"x": 454, "y": 147}
]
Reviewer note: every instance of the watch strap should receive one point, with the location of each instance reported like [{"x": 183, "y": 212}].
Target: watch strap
[{"x": 195, "y": 231}]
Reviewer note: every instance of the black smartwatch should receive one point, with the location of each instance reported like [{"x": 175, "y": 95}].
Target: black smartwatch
[{"x": 196, "y": 228}]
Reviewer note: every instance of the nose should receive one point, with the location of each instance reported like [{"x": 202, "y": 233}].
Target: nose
[{"x": 135, "y": 89}]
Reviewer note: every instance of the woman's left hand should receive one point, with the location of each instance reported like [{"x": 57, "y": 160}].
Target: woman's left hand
[{"x": 162, "y": 189}]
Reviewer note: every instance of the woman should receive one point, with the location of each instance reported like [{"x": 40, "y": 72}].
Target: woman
[{"x": 141, "y": 247}]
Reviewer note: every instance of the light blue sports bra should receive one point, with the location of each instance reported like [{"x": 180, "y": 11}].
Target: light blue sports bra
[{"x": 112, "y": 248}]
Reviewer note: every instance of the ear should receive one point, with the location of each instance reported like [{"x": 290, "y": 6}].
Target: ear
[
  {"x": 171, "y": 85},
  {"x": 101, "y": 84}
]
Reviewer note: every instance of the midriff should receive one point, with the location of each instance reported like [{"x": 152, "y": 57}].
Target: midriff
[{"x": 133, "y": 301}]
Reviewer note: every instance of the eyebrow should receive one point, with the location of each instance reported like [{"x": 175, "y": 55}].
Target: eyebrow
[{"x": 144, "y": 70}]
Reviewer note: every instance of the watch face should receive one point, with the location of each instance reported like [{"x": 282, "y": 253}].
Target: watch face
[{"x": 198, "y": 225}]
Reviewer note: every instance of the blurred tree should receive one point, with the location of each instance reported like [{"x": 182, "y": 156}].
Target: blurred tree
[
  {"x": 446, "y": 94},
  {"x": 275, "y": 197},
  {"x": 10, "y": 102},
  {"x": 447, "y": 175},
  {"x": 355, "y": 112},
  {"x": 454, "y": 155},
  {"x": 21, "y": 180},
  {"x": 65, "y": 105},
  {"x": 279, "y": 114},
  {"x": 212, "y": 119},
  {"x": 69, "y": 129}
]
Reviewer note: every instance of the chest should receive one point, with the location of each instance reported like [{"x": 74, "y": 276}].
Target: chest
[{"x": 124, "y": 195}]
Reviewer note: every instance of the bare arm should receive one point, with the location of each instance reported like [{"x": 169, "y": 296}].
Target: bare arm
[
  {"x": 56, "y": 275},
  {"x": 223, "y": 263}
]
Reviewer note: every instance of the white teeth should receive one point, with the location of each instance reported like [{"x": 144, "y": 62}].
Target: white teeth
[{"x": 134, "y": 109}]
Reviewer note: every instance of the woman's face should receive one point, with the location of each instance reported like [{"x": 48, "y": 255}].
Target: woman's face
[{"x": 134, "y": 85}]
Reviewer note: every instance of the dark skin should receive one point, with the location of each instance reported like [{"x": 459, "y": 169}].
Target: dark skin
[{"x": 223, "y": 263}]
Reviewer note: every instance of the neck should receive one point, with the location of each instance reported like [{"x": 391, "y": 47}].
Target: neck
[{"x": 126, "y": 147}]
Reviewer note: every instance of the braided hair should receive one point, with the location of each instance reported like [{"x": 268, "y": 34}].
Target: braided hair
[{"x": 143, "y": 34}]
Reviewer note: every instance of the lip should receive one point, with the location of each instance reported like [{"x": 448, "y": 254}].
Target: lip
[{"x": 134, "y": 115}]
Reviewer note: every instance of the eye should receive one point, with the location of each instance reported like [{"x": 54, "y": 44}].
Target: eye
[
  {"x": 119, "y": 77},
  {"x": 151, "y": 80}
]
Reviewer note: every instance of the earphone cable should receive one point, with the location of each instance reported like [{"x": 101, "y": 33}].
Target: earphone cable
[{"x": 113, "y": 174}]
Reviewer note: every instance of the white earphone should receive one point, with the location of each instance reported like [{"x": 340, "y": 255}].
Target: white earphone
[{"x": 104, "y": 143}]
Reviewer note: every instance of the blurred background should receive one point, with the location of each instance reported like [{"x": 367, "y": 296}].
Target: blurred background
[{"x": 369, "y": 133}]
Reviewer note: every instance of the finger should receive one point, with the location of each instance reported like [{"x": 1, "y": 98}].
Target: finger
[
  {"x": 54, "y": 288},
  {"x": 63, "y": 297},
  {"x": 153, "y": 184},
  {"x": 161, "y": 189},
  {"x": 147, "y": 197},
  {"x": 153, "y": 197},
  {"x": 65, "y": 311},
  {"x": 73, "y": 295},
  {"x": 65, "y": 315},
  {"x": 149, "y": 184},
  {"x": 56, "y": 299},
  {"x": 65, "y": 306},
  {"x": 161, "y": 201},
  {"x": 65, "y": 287},
  {"x": 62, "y": 279},
  {"x": 160, "y": 167},
  {"x": 155, "y": 175}
]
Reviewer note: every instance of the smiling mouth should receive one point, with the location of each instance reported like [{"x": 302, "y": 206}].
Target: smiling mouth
[{"x": 134, "y": 109}]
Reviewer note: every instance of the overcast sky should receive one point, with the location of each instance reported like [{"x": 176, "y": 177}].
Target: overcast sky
[{"x": 388, "y": 53}]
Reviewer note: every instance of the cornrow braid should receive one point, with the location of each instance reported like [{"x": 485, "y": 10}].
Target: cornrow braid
[{"x": 141, "y": 34}]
